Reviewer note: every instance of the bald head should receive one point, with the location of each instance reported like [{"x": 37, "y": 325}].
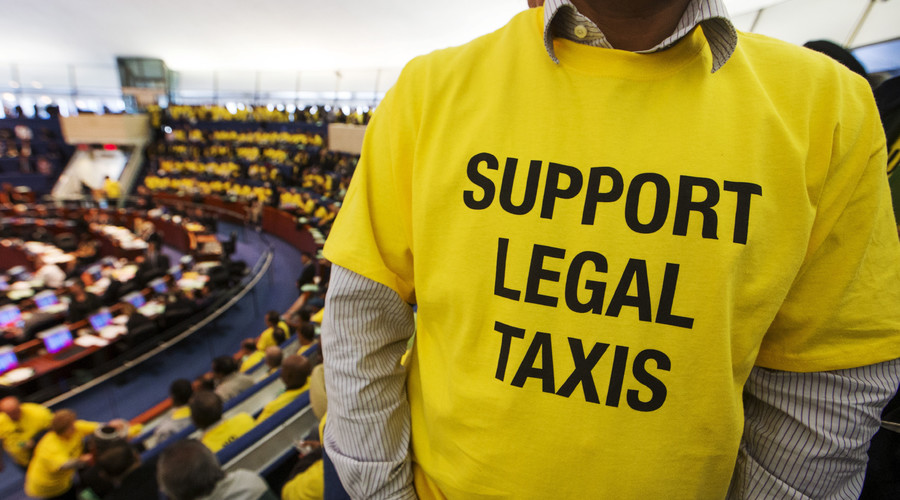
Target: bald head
[
  {"x": 294, "y": 371},
  {"x": 273, "y": 356},
  {"x": 11, "y": 407}
]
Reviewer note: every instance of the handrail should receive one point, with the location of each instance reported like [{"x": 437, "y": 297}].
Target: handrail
[{"x": 264, "y": 267}]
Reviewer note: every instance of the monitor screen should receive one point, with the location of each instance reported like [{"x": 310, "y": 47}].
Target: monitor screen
[
  {"x": 56, "y": 339},
  {"x": 159, "y": 285},
  {"x": 4, "y": 285},
  {"x": 95, "y": 272},
  {"x": 175, "y": 271},
  {"x": 8, "y": 359},
  {"x": 9, "y": 316},
  {"x": 101, "y": 319},
  {"x": 135, "y": 299},
  {"x": 45, "y": 299}
]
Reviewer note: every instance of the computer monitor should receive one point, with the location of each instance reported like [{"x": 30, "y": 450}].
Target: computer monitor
[
  {"x": 9, "y": 316},
  {"x": 175, "y": 272},
  {"x": 159, "y": 285},
  {"x": 8, "y": 359},
  {"x": 95, "y": 272},
  {"x": 56, "y": 339},
  {"x": 135, "y": 298},
  {"x": 101, "y": 319},
  {"x": 45, "y": 299}
]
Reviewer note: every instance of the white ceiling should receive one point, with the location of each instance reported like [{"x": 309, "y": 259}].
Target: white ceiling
[{"x": 40, "y": 38}]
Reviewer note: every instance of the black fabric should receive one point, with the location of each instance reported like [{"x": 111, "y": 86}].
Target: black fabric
[
  {"x": 79, "y": 310},
  {"x": 139, "y": 484}
]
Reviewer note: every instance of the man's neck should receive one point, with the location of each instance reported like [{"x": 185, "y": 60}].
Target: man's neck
[{"x": 633, "y": 24}]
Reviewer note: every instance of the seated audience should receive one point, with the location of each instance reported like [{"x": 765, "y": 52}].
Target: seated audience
[
  {"x": 228, "y": 380},
  {"x": 180, "y": 417},
  {"x": 294, "y": 373},
  {"x": 187, "y": 470},
  {"x": 206, "y": 414},
  {"x": 57, "y": 456}
]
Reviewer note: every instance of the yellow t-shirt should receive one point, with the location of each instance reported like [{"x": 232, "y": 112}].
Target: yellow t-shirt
[
  {"x": 16, "y": 435},
  {"x": 43, "y": 478},
  {"x": 227, "y": 431},
  {"x": 252, "y": 360},
  {"x": 283, "y": 399},
  {"x": 308, "y": 485},
  {"x": 112, "y": 188},
  {"x": 267, "y": 337},
  {"x": 601, "y": 250}
]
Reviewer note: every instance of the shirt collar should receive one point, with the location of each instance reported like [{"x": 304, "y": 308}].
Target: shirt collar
[{"x": 562, "y": 19}]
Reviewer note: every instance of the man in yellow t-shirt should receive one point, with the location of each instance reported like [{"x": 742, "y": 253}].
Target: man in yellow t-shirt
[
  {"x": 206, "y": 414},
  {"x": 634, "y": 237},
  {"x": 20, "y": 424},
  {"x": 57, "y": 456},
  {"x": 294, "y": 373}
]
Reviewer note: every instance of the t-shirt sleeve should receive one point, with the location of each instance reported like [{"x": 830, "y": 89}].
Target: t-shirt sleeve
[
  {"x": 842, "y": 309},
  {"x": 372, "y": 235}
]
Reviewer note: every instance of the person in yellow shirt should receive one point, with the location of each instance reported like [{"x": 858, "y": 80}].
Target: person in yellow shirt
[
  {"x": 206, "y": 413},
  {"x": 718, "y": 261},
  {"x": 21, "y": 425},
  {"x": 294, "y": 373},
  {"x": 56, "y": 457},
  {"x": 112, "y": 188},
  {"x": 276, "y": 333}
]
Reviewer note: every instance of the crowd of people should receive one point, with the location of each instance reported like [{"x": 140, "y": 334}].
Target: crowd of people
[{"x": 64, "y": 457}]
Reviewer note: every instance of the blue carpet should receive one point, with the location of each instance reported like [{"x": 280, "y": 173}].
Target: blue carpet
[{"x": 139, "y": 389}]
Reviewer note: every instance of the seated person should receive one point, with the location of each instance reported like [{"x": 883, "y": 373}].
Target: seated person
[
  {"x": 179, "y": 418},
  {"x": 189, "y": 471},
  {"x": 206, "y": 414},
  {"x": 294, "y": 373},
  {"x": 298, "y": 318},
  {"x": 135, "y": 318},
  {"x": 273, "y": 359},
  {"x": 88, "y": 250},
  {"x": 154, "y": 263},
  {"x": 121, "y": 465},
  {"x": 21, "y": 427},
  {"x": 228, "y": 380},
  {"x": 275, "y": 334},
  {"x": 57, "y": 456},
  {"x": 250, "y": 357},
  {"x": 307, "y": 334},
  {"x": 51, "y": 274},
  {"x": 83, "y": 302}
]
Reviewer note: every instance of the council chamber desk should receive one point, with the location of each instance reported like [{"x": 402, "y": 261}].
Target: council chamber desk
[{"x": 281, "y": 223}]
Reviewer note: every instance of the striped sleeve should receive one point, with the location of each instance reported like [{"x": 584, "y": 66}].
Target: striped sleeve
[
  {"x": 364, "y": 334},
  {"x": 806, "y": 434}
]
